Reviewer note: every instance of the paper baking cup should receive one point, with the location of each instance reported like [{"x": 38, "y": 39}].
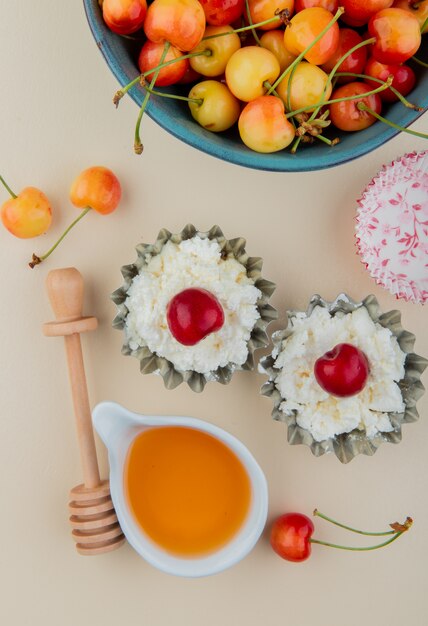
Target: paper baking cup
[
  {"x": 348, "y": 445},
  {"x": 392, "y": 227},
  {"x": 150, "y": 362}
]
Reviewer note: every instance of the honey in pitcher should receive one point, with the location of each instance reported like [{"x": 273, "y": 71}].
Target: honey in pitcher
[{"x": 186, "y": 489}]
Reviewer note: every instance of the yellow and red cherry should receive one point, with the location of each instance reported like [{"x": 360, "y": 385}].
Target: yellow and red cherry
[
  {"x": 308, "y": 86},
  {"x": 346, "y": 115},
  {"x": 404, "y": 78},
  {"x": 273, "y": 40},
  {"x": 342, "y": 371},
  {"x": 150, "y": 57},
  {"x": 193, "y": 314},
  {"x": 124, "y": 16},
  {"x": 222, "y": 12},
  {"x": 354, "y": 62},
  {"x": 263, "y": 126},
  {"x": 358, "y": 12},
  {"x": 247, "y": 71},
  {"x": 417, "y": 8},
  {"x": 221, "y": 49},
  {"x": 213, "y": 106},
  {"x": 397, "y": 34},
  {"x": 304, "y": 27},
  {"x": 95, "y": 188},
  {"x": 261, "y": 10},
  {"x": 290, "y": 537},
  {"x": 27, "y": 214},
  {"x": 330, "y": 5},
  {"x": 182, "y": 24}
]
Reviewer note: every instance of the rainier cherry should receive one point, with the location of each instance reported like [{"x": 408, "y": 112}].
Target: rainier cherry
[
  {"x": 342, "y": 371},
  {"x": 397, "y": 33},
  {"x": 27, "y": 214},
  {"x": 213, "y": 106},
  {"x": 124, "y": 16},
  {"x": 263, "y": 126},
  {"x": 193, "y": 314},
  {"x": 304, "y": 27},
  {"x": 291, "y": 535},
  {"x": 95, "y": 188},
  {"x": 181, "y": 23},
  {"x": 346, "y": 115},
  {"x": 222, "y": 12}
]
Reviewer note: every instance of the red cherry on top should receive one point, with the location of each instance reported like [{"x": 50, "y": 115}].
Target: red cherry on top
[
  {"x": 193, "y": 314},
  {"x": 342, "y": 371}
]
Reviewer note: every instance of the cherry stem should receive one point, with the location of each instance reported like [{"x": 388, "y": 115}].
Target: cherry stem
[
  {"x": 123, "y": 90},
  {"x": 400, "y": 96},
  {"x": 384, "y": 86},
  {"x": 243, "y": 28},
  {"x": 138, "y": 146},
  {"x": 38, "y": 259},
  {"x": 354, "y": 530},
  {"x": 297, "y": 60},
  {"x": 335, "y": 68},
  {"x": 362, "y": 549},
  {"x": 363, "y": 107},
  {"x": 424, "y": 25},
  {"x": 198, "y": 101},
  {"x": 250, "y": 21},
  {"x": 419, "y": 62},
  {"x": 6, "y": 186}
]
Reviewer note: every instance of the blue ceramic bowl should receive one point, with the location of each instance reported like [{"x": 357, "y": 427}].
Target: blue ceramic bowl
[{"x": 172, "y": 115}]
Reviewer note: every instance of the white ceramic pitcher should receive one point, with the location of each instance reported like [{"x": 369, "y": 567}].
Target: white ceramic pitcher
[{"x": 117, "y": 428}]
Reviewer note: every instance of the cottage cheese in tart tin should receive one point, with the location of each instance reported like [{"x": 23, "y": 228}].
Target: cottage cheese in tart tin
[
  {"x": 193, "y": 259},
  {"x": 352, "y": 425},
  {"x": 392, "y": 227}
]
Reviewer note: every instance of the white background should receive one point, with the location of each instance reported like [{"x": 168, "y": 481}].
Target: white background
[{"x": 57, "y": 118}]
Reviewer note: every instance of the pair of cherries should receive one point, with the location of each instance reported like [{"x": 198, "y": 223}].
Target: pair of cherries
[{"x": 195, "y": 313}]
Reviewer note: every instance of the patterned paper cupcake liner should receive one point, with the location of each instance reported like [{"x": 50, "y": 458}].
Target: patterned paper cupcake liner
[
  {"x": 150, "y": 362},
  {"x": 392, "y": 227},
  {"x": 346, "y": 446}
]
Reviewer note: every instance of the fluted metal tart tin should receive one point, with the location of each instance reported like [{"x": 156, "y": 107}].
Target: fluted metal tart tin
[
  {"x": 150, "y": 362},
  {"x": 348, "y": 445}
]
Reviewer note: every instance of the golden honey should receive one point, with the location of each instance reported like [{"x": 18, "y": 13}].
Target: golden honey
[{"x": 186, "y": 489}]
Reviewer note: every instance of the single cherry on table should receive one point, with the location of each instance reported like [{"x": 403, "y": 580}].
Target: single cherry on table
[
  {"x": 193, "y": 314},
  {"x": 27, "y": 214},
  {"x": 342, "y": 371},
  {"x": 291, "y": 535}
]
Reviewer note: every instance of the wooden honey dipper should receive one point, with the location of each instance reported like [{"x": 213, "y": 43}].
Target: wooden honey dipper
[{"x": 93, "y": 519}]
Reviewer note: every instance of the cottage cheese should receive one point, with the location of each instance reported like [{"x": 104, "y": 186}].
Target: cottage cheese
[
  {"x": 326, "y": 416},
  {"x": 195, "y": 262}
]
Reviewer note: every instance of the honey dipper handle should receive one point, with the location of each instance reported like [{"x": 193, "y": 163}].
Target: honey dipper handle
[
  {"x": 65, "y": 290},
  {"x": 82, "y": 411}
]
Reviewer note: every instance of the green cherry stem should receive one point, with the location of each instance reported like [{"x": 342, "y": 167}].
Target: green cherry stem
[
  {"x": 354, "y": 549},
  {"x": 138, "y": 146},
  {"x": 198, "y": 101},
  {"x": 123, "y": 90},
  {"x": 419, "y": 62},
  {"x": 384, "y": 86},
  {"x": 424, "y": 25},
  {"x": 317, "y": 513},
  {"x": 6, "y": 186},
  {"x": 363, "y": 107},
  {"x": 38, "y": 259},
  {"x": 250, "y": 22},
  {"x": 400, "y": 96},
  {"x": 297, "y": 60},
  {"x": 251, "y": 26}
]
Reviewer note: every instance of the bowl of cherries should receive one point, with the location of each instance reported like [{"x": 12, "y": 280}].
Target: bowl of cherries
[{"x": 280, "y": 85}]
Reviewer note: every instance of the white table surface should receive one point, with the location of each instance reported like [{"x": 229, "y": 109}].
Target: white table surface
[{"x": 57, "y": 118}]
